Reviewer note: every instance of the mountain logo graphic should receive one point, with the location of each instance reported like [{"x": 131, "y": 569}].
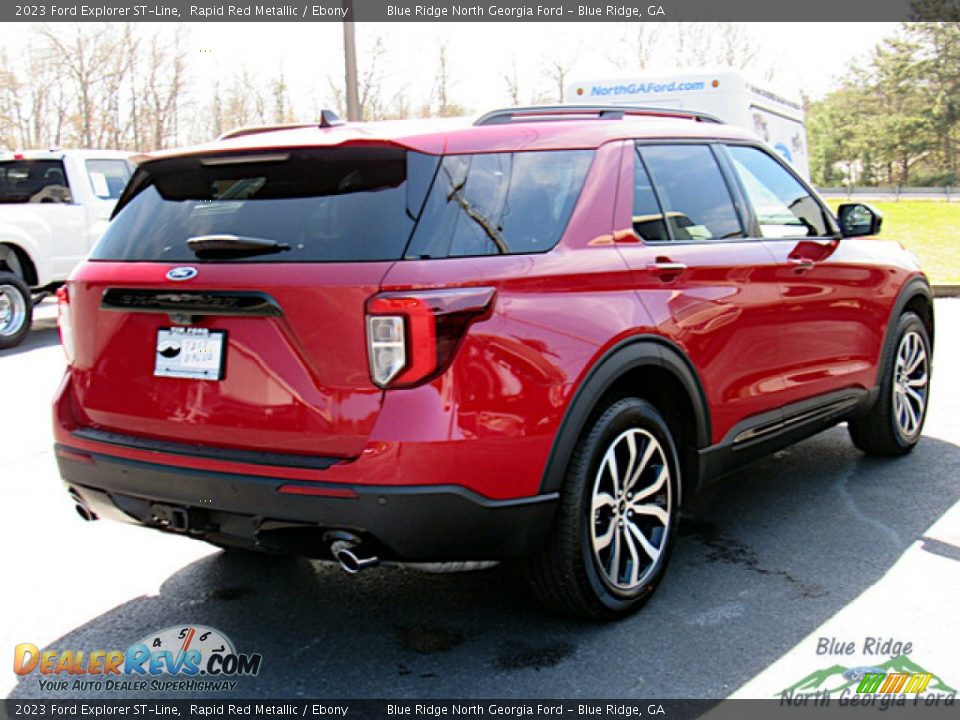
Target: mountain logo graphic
[{"x": 837, "y": 678}]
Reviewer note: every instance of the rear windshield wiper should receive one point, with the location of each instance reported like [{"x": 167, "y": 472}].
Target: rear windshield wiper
[{"x": 227, "y": 246}]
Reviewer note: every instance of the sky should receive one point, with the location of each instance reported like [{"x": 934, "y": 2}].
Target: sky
[{"x": 808, "y": 57}]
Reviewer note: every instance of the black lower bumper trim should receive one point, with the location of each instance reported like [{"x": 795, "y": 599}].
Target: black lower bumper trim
[
  {"x": 412, "y": 523},
  {"x": 252, "y": 457}
]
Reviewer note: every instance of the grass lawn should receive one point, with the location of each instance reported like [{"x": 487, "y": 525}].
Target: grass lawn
[{"x": 929, "y": 228}]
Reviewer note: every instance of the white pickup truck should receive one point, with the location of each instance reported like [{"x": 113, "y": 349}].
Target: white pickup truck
[{"x": 54, "y": 205}]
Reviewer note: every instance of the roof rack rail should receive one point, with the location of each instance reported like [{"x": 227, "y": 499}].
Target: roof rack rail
[
  {"x": 328, "y": 118},
  {"x": 602, "y": 112}
]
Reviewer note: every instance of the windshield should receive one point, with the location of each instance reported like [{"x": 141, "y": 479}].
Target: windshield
[{"x": 328, "y": 204}]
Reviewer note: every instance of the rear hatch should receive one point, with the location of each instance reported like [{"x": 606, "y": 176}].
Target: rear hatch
[{"x": 225, "y": 304}]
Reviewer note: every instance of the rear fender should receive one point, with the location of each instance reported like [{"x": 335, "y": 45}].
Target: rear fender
[{"x": 624, "y": 357}]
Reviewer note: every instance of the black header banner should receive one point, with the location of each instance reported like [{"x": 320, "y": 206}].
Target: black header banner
[
  {"x": 477, "y": 11},
  {"x": 816, "y": 705},
  {"x": 902, "y": 707}
]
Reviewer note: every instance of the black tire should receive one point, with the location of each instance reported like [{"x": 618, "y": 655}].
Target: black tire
[
  {"x": 14, "y": 328},
  {"x": 567, "y": 575},
  {"x": 879, "y": 432}
]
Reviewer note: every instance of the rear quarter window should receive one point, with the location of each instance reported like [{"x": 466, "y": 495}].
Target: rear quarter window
[{"x": 500, "y": 203}]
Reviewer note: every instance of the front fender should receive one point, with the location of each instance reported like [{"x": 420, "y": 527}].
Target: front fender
[{"x": 916, "y": 286}]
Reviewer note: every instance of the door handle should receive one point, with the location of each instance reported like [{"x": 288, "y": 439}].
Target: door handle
[
  {"x": 666, "y": 269},
  {"x": 801, "y": 264}
]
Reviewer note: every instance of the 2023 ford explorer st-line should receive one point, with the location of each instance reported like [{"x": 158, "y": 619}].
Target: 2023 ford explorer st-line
[{"x": 530, "y": 337}]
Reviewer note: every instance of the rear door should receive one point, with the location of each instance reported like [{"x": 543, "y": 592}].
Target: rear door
[
  {"x": 832, "y": 301},
  {"x": 225, "y": 304},
  {"x": 707, "y": 286}
]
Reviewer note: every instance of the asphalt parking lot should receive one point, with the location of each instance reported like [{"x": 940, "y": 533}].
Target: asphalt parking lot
[{"x": 817, "y": 541}]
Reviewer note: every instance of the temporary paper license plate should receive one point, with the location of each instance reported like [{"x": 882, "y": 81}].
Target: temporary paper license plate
[{"x": 192, "y": 353}]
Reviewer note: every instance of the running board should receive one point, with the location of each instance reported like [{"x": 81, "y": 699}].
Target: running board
[{"x": 818, "y": 413}]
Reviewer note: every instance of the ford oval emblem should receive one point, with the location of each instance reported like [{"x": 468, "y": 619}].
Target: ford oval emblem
[{"x": 179, "y": 274}]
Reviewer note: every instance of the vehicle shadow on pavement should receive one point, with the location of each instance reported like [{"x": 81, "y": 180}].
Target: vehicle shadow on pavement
[
  {"x": 43, "y": 334},
  {"x": 766, "y": 556}
]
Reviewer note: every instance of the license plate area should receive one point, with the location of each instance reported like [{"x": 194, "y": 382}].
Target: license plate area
[{"x": 190, "y": 353}]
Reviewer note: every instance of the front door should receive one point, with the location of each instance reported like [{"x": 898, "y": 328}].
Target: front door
[
  {"x": 706, "y": 285},
  {"x": 832, "y": 304}
]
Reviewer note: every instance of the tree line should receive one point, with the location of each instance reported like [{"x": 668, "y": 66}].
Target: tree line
[
  {"x": 895, "y": 117},
  {"x": 129, "y": 87},
  {"x": 120, "y": 87}
]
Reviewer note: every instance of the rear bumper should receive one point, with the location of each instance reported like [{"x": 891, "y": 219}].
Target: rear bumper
[{"x": 409, "y": 523}]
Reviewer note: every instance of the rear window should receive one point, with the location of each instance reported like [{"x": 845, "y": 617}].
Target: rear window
[
  {"x": 349, "y": 204},
  {"x": 108, "y": 177},
  {"x": 330, "y": 204},
  {"x": 500, "y": 203},
  {"x": 33, "y": 181}
]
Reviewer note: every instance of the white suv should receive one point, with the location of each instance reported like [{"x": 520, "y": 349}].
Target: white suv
[{"x": 54, "y": 205}]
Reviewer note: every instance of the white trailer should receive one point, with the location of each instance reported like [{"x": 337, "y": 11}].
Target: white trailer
[{"x": 727, "y": 95}]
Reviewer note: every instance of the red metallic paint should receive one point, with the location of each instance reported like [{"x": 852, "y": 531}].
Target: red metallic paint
[
  {"x": 288, "y": 387},
  {"x": 758, "y": 332},
  {"x": 835, "y": 311}
]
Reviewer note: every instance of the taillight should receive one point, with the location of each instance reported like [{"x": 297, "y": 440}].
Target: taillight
[
  {"x": 65, "y": 321},
  {"x": 386, "y": 346},
  {"x": 412, "y": 336}
]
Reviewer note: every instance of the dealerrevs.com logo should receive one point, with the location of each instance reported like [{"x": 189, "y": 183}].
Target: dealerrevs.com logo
[{"x": 183, "y": 658}]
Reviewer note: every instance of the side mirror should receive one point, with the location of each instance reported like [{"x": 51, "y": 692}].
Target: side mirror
[{"x": 857, "y": 219}]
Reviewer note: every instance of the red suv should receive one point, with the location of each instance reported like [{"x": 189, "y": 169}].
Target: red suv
[{"x": 530, "y": 337}]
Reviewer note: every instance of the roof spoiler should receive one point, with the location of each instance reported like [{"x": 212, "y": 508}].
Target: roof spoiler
[
  {"x": 328, "y": 119},
  {"x": 600, "y": 112}
]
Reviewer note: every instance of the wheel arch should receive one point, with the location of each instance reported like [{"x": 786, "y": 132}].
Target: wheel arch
[
  {"x": 915, "y": 295},
  {"x": 27, "y": 270},
  {"x": 649, "y": 367},
  {"x": 920, "y": 301}
]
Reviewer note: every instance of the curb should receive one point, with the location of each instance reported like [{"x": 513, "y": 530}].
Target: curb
[{"x": 946, "y": 291}]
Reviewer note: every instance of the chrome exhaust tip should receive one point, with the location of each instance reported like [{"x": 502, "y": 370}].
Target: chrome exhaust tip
[
  {"x": 80, "y": 505},
  {"x": 351, "y": 560}
]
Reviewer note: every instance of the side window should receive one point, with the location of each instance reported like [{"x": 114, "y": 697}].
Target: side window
[
  {"x": 108, "y": 177},
  {"x": 783, "y": 207},
  {"x": 647, "y": 216},
  {"x": 33, "y": 181},
  {"x": 694, "y": 194},
  {"x": 499, "y": 203}
]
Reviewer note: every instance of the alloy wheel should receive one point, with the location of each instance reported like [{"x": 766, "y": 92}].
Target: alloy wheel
[
  {"x": 631, "y": 509},
  {"x": 911, "y": 378}
]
